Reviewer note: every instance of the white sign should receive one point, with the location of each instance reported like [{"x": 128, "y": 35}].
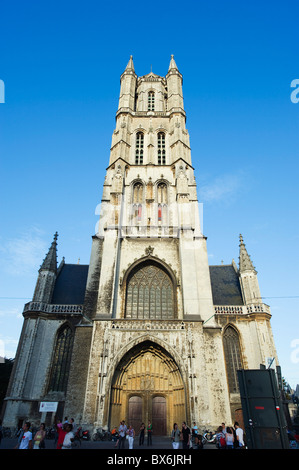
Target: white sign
[{"x": 48, "y": 406}]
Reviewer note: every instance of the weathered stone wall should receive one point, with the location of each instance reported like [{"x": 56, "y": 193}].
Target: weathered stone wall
[{"x": 76, "y": 390}]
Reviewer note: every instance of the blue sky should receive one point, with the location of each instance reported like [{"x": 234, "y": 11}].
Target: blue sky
[{"x": 61, "y": 63}]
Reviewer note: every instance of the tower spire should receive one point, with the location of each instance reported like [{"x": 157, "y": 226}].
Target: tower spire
[
  {"x": 130, "y": 65},
  {"x": 172, "y": 64},
  {"x": 245, "y": 263},
  {"x": 50, "y": 261}
]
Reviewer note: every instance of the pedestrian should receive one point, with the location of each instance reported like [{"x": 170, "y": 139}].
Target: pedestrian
[
  {"x": 229, "y": 438},
  {"x": 72, "y": 421},
  {"x": 149, "y": 433},
  {"x": 220, "y": 438},
  {"x": 194, "y": 429},
  {"x": 122, "y": 430},
  {"x": 117, "y": 436},
  {"x": 141, "y": 434},
  {"x": 61, "y": 432},
  {"x": 26, "y": 441},
  {"x": 57, "y": 425},
  {"x": 240, "y": 435},
  {"x": 175, "y": 436},
  {"x": 186, "y": 435},
  {"x": 69, "y": 437},
  {"x": 39, "y": 438},
  {"x": 131, "y": 435},
  {"x": 1, "y": 432}
]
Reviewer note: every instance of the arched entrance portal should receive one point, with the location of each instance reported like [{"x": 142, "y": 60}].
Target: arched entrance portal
[{"x": 147, "y": 386}]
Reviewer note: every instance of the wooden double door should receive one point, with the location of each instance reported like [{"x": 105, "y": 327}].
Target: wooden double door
[
  {"x": 148, "y": 408},
  {"x": 147, "y": 386}
]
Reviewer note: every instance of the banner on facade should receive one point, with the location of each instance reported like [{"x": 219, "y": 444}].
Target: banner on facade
[{"x": 48, "y": 406}]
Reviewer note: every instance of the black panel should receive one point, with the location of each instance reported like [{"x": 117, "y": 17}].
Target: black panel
[{"x": 265, "y": 423}]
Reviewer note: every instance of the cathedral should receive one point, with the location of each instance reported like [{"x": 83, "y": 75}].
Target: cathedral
[{"x": 148, "y": 330}]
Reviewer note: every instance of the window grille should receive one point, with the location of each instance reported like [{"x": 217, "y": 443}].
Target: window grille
[
  {"x": 61, "y": 361},
  {"x": 151, "y": 101},
  {"x": 232, "y": 355},
  {"x": 139, "y": 148},
  {"x": 150, "y": 294},
  {"x": 161, "y": 149}
]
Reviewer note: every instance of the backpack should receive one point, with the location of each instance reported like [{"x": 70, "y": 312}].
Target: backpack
[{"x": 222, "y": 441}]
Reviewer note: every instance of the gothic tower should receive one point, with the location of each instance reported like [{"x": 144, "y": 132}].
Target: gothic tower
[{"x": 147, "y": 331}]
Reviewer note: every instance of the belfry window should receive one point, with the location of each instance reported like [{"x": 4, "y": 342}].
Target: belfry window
[
  {"x": 162, "y": 203},
  {"x": 161, "y": 149},
  {"x": 139, "y": 148},
  {"x": 62, "y": 360},
  {"x": 137, "y": 202},
  {"x": 151, "y": 101},
  {"x": 150, "y": 294},
  {"x": 231, "y": 346}
]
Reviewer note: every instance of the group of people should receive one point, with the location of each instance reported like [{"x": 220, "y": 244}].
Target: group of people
[
  {"x": 125, "y": 432},
  {"x": 190, "y": 438},
  {"x": 63, "y": 438},
  {"x": 227, "y": 437},
  {"x": 230, "y": 437}
]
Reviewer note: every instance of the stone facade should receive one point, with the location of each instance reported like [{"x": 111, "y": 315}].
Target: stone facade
[{"x": 147, "y": 331}]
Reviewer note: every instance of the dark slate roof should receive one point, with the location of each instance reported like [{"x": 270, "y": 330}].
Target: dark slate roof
[
  {"x": 70, "y": 285},
  {"x": 225, "y": 284}
]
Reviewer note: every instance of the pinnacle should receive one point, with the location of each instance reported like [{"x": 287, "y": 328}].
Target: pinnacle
[
  {"x": 245, "y": 263},
  {"x": 130, "y": 65},
  {"x": 172, "y": 64},
  {"x": 50, "y": 261}
]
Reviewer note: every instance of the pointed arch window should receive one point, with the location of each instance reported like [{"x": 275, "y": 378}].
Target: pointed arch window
[
  {"x": 137, "y": 201},
  {"x": 151, "y": 101},
  {"x": 62, "y": 360},
  {"x": 161, "y": 149},
  {"x": 139, "y": 148},
  {"x": 150, "y": 294},
  {"x": 232, "y": 353},
  {"x": 162, "y": 203}
]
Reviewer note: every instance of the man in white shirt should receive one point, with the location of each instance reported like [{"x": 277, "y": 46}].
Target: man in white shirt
[
  {"x": 239, "y": 434},
  {"x": 26, "y": 441},
  {"x": 68, "y": 438}
]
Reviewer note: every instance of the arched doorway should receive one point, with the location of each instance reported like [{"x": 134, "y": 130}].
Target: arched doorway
[{"x": 147, "y": 386}]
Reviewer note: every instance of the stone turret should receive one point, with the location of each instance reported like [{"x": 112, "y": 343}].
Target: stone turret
[
  {"x": 175, "y": 90},
  {"x": 127, "y": 88}
]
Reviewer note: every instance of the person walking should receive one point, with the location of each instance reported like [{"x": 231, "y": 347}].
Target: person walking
[
  {"x": 186, "y": 435},
  {"x": 149, "y": 433},
  {"x": 39, "y": 438},
  {"x": 229, "y": 438},
  {"x": 69, "y": 437},
  {"x": 141, "y": 434},
  {"x": 26, "y": 441},
  {"x": 61, "y": 432},
  {"x": 175, "y": 436},
  {"x": 122, "y": 430},
  {"x": 240, "y": 435},
  {"x": 131, "y": 435},
  {"x": 220, "y": 438}
]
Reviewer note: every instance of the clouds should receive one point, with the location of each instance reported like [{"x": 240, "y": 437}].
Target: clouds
[
  {"x": 22, "y": 254},
  {"x": 224, "y": 188}
]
